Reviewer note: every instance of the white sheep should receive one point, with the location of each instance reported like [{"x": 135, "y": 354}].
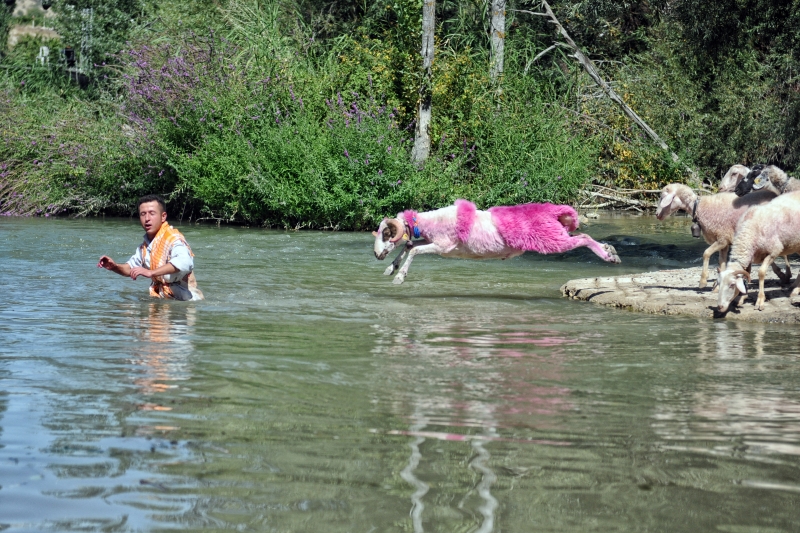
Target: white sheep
[
  {"x": 765, "y": 232},
  {"x": 732, "y": 178},
  {"x": 714, "y": 216}
]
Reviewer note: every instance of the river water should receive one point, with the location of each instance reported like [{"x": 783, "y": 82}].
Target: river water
[{"x": 309, "y": 393}]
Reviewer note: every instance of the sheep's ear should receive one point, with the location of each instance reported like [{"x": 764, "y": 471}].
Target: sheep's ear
[
  {"x": 666, "y": 200},
  {"x": 374, "y": 233},
  {"x": 740, "y": 284}
]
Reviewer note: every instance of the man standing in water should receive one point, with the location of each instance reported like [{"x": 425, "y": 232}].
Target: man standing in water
[{"x": 164, "y": 256}]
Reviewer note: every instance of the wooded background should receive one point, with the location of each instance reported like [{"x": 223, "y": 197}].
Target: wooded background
[{"x": 307, "y": 113}]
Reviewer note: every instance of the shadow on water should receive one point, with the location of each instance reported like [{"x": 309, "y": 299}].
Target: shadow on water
[{"x": 308, "y": 393}]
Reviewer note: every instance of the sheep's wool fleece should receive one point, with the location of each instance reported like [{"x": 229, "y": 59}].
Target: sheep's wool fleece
[
  {"x": 535, "y": 227},
  {"x": 528, "y": 227}
]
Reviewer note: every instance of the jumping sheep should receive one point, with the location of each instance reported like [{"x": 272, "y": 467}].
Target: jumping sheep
[
  {"x": 462, "y": 231},
  {"x": 764, "y": 233},
  {"x": 769, "y": 178},
  {"x": 714, "y": 216}
]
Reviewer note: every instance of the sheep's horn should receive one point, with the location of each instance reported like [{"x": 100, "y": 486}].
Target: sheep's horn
[
  {"x": 745, "y": 273},
  {"x": 399, "y": 228}
]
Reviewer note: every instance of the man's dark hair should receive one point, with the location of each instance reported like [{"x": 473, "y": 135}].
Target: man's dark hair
[{"x": 152, "y": 198}]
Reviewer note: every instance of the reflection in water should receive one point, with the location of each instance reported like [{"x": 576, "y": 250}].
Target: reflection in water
[
  {"x": 488, "y": 478},
  {"x": 732, "y": 406},
  {"x": 77, "y": 466},
  {"x": 421, "y": 488},
  {"x": 163, "y": 347},
  {"x": 471, "y": 382}
]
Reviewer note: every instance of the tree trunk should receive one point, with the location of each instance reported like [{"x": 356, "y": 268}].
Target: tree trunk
[
  {"x": 498, "y": 39},
  {"x": 422, "y": 138}
]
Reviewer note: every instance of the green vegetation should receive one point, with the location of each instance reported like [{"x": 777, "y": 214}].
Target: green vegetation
[{"x": 301, "y": 113}]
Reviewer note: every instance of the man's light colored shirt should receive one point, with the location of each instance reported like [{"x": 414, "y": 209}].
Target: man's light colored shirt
[{"x": 179, "y": 257}]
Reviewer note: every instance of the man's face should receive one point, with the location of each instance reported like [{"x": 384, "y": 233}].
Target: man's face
[{"x": 151, "y": 216}]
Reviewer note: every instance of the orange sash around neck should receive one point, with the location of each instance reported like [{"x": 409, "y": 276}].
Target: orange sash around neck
[{"x": 160, "y": 250}]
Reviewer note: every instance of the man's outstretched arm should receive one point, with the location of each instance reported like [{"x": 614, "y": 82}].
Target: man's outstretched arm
[{"x": 109, "y": 264}]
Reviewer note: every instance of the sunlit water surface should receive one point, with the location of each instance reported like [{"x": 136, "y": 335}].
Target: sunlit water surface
[{"x": 308, "y": 393}]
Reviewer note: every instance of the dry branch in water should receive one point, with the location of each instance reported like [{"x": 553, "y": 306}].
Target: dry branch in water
[{"x": 636, "y": 199}]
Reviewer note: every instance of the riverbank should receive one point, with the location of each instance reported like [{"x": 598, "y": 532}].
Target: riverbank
[{"x": 675, "y": 292}]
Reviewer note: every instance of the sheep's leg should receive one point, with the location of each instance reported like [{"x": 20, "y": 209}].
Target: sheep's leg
[
  {"x": 723, "y": 264},
  {"x": 431, "y": 248},
  {"x": 723, "y": 257},
  {"x": 718, "y": 246},
  {"x": 795, "y": 287},
  {"x": 606, "y": 252},
  {"x": 398, "y": 258},
  {"x": 762, "y": 273},
  {"x": 787, "y": 277}
]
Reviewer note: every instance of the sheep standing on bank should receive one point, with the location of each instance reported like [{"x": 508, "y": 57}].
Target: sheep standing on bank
[
  {"x": 715, "y": 217},
  {"x": 769, "y": 178},
  {"x": 765, "y": 233},
  {"x": 462, "y": 231}
]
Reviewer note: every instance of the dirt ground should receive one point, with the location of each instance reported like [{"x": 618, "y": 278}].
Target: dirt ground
[{"x": 676, "y": 292}]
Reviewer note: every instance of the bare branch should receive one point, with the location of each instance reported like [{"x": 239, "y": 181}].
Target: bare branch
[
  {"x": 592, "y": 71},
  {"x": 529, "y": 12},
  {"x": 543, "y": 52}
]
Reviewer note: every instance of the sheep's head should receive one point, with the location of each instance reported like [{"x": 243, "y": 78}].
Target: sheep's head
[
  {"x": 732, "y": 178},
  {"x": 771, "y": 175},
  {"x": 731, "y": 283},
  {"x": 746, "y": 184},
  {"x": 390, "y": 232},
  {"x": 670, "y": 201}
]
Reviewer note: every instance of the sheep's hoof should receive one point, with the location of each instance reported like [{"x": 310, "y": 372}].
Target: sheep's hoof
[
  {"x": 612, "y": 254},
  {"x": 398, "y": 279},
  {"x": 703, "y": 283},
  {"x": 389, "y": 270},
  {"x": 760, "y": 304},
  {"x": 795, "y": 292}
]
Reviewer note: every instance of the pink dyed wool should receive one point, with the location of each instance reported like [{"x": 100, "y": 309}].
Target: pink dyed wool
[
  {"x": 536, "y": 227},
  {"x": 466, "y": 213}
]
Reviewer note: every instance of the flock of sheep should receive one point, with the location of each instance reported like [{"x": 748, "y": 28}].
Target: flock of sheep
[{"x": 755, "y": 217}]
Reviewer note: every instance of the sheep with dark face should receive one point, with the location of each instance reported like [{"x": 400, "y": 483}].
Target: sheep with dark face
[
  {"x": 745, "y": 185},
  {"x": 770, "y": 178},
  {"x": 765, "y": 233},
  {"x": 714, "y": 216},
  {"x": 502, "y": 232}
]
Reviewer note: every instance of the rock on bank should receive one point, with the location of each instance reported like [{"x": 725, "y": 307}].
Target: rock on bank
[{"x": 675, "y": 292}]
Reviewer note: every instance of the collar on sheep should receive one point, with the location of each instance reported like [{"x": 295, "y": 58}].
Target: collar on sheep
[{"x": 411, "y": 223}]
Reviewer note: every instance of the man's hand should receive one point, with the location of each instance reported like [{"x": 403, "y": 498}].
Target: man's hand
[
  {"x": 169, "y": 268},
  {"x": 107, "y": 263},
  {"x": 140, "y": 271}
]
